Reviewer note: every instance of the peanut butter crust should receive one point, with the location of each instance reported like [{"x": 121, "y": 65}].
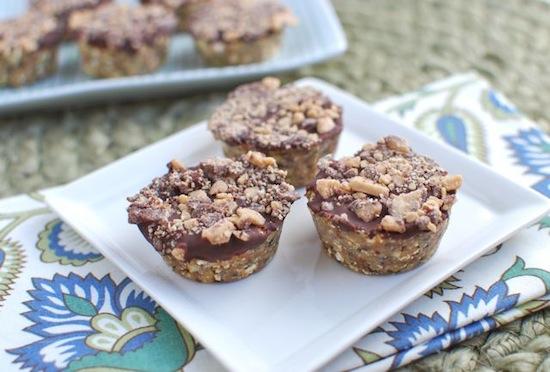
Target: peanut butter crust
[
  {"x": 385, "y": 187},
  {"x": 268, "y": 116},
  {"x": 215, "y": 211},
  {"x": 123, "y": 27},
  {"x": 239, "y": 20}
]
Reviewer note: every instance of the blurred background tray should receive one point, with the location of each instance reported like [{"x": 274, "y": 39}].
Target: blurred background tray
[{"x": 318, "y": 37}]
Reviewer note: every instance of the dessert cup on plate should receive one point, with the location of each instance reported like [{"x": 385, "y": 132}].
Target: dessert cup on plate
[
  {"x": 62, "y": 10},
  {"x": 28, "y": 48},
  {"x": 383, "y": 210},
  {"x": 218, "y": 221},
  {"x": 234, "y": 32},
  {"x": 295, "y": 125},
  {"x": 181, "y": 8},
  {"x": 120, "y": 40}
]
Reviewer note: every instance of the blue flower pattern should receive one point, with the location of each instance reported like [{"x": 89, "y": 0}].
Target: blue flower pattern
[
  {"x": 532, "y": 150},
  {"x": 61, "y": 250},
  {"x": 440, "y": 332},
  {"x": 60, "y": 243},
  {"x": 63, "y": 311},
  {"x": 453, "y": 131},
  {"x": 483, "y": 302},
  {"x": 500, "y": 103},
  {"x": 414, "y": 330}
]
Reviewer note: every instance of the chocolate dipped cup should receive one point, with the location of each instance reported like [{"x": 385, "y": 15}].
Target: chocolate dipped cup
[
  {"x": 234, "y": 32},
  {"x": 383, "y": 210},
  {"x": 28, "y": 48},
  {"x": 218, "y": 221},
  {"x": 295, "y": 125},
  {"x": 121, "y": 40}
]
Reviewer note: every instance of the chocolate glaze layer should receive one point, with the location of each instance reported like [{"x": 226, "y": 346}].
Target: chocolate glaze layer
[
  {"x": 245, "y": 99},
  {"x": 122, "y": 27},
  {"x": 246, "y": 140},
  {"x": 354, "y": 223},
  {"x": 157, "y": 208},
  {"x": 52, "y": 38},
  {"x": 195, "y": 247}
]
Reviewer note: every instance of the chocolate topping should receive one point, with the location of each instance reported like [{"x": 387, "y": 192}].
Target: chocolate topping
[
  {"x": 172, "y": 4},
  {"x": 266, "y": 116},
  {"x": 385, "y": 187},
  {"x": 121, "y": 26},
  {"x": 28, "y": 33},
  {"x": 64, "y": 8},
  {"x": 213, "y": 211},
  {"x": 239, "y": 20}
]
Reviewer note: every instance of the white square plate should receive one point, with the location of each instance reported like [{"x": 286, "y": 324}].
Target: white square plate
[
  {"x": 303, "y": 308},
  {"x": 317, "y": 37}
]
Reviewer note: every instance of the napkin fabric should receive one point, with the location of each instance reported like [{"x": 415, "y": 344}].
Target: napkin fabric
[{"x": 64, "y": 306}]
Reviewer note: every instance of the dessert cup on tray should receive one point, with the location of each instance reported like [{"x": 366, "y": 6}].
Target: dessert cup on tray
[
  {"x": 295, "y": 125},
  {"x": 219, "y": 221},
  {"x": 383, "y": 210}
]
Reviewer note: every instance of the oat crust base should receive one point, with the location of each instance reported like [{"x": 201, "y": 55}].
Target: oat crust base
[
  {"x": 380, "y": 254},
  {"x": 239, "y": 52},
  {"x": 27, "y": 68},
  {"x": 109, "y": 63},
  {"x": 235, "y": 268}
]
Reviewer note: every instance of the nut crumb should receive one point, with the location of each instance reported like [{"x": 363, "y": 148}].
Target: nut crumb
[
  {"x": 218, "y": 187},
  {"x": 366, "y": 210},
  {"x": 271, "y": 82},
  {"x": 249, "y": 216},
  {"x": 391, "y": 224},
  {"x": 451, "y": 183},
  {"x": 365, "y": 185},
  {"x": 219, "y": 233},
  {"x": 325, "y": 125},
  {"x": 328, "y": 187},
  {"x": 397, "y": 144},
  {"x": 177, "y": 165},
  {"x": 260, "y": 160},
  {"x": 178, "y": 254},
  {"x": 199, "y": 195}
]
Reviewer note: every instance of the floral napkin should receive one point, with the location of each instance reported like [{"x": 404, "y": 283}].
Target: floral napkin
[{"x": 63, "y": 306}]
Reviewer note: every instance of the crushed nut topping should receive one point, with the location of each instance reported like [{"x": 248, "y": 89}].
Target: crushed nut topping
[
  {"x": 452, "y": 182},
  {"x": 219, "y": 233},
  {"x": 63, "y": 8},
  {"x": 260, "y": 160},
  {"x": 385, "y": 184},
  {"x": 328, "y": 187},
  {"x": 172, "y": 4},
  {"x": 265, "y": 115},
  {"x": 28, "y": 33},
  {"x": 217, "y": 199},
  {"x": 239, "y": 20},
  {"x": 123, "y": 26},
  {"x": 362, "y": 184}
]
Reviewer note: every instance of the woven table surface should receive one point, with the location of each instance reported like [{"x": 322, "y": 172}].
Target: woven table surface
[{"x": 394, "y": 47}]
